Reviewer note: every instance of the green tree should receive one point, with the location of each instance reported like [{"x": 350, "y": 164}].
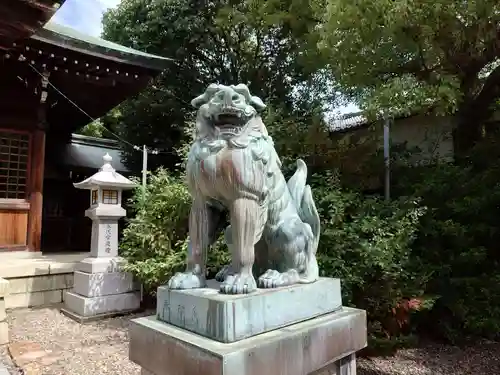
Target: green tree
[
  {"x": 406, "y": 56},
  {"x": 265, "y": 44},
  {"x": 93, "y": 129},
  {"x": 101, "y": 127}
]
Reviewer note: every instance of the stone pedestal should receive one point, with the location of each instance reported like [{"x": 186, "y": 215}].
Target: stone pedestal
[
  {"x": 100, "y": 289},
  {"x": 297, "y": 330},
  {"x": 229, "y": 318},
  {"x": 102, "y": 292}
]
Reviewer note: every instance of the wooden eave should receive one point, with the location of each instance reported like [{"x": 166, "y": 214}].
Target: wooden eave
[
  {"x": 70, "y": 39},
  {"x": 95, "y": 92},
  {"x": 56, "y": 59},
  {"x": 20, "y": 19},
  {"x": 96, "y": 77}
]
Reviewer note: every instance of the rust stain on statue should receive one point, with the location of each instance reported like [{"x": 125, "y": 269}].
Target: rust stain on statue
[{"x": 226, "y": 169}]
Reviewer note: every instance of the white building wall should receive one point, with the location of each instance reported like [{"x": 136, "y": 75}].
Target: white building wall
[{"x": 431, "y": 134}]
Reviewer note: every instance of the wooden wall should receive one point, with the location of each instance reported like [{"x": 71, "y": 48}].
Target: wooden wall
[
  {"x": 13, "y": 224},
  {"x": 15, "y": 176}
]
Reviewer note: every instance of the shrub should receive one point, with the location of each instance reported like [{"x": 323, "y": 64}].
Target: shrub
[
  {"x": 366, "y": 242},
  {"x": 155, "y": 239},
  {"x": 457, "y": 241}
]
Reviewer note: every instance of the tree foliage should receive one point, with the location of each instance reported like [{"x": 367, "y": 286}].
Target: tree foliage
[
  {"x": 264, "y": 44},
  {"x": 93, "y": 129},
  {"x": 407, "y": 56},
  {"x": 458, "y": 240}
]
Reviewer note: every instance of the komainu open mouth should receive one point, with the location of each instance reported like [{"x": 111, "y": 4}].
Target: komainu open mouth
[
  {"x": 229, "y": 116},
  {"x": 224, "y": 119}
]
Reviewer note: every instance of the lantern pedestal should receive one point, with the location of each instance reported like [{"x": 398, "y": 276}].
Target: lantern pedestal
[{"x": 100, "y": 288}]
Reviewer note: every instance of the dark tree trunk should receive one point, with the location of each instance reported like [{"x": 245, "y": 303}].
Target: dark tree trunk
[
  {"x": 475, "y": 111},
  {"x": 466, "y": 134}
]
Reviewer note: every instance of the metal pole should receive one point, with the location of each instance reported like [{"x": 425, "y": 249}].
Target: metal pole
[
  {"x": 144, "y": 166},
  {"x": 387, "y": 160},
  {"x": 144, "y": 179}
]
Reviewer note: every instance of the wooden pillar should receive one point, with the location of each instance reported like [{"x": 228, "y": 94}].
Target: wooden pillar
[
  {"x": 36, "y": 190},
  {"x": 37, "y": 172}
]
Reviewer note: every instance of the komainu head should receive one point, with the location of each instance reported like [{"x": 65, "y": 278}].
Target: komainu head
[{"x": 226, "y": 110}]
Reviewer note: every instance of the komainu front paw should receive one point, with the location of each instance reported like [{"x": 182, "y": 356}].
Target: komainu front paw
[
  {"x": 238, "y": 284},
  {"x": 275, "y": 279},
  {"x": 224, "y": 273},
  {"x": 186, "y": 280}
]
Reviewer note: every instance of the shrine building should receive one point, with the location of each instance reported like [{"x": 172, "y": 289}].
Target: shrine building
[{"x": 53, "y": 81}]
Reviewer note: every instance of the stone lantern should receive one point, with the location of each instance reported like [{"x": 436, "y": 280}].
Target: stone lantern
[{"x": 100, "y": 289}]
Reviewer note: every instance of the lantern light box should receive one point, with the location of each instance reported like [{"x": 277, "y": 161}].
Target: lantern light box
[{"x": 106, "y": 187}]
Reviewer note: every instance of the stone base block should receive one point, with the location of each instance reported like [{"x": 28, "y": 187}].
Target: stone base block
[
  {"x": 85, "y": 307},
  {"x": 299, "y": 349},
  {"x": 229, "y": 318},
  {"x": 97, "y": 265},
  {"x": 3, "y": 312},
  {"x": 103, "y": 283}
]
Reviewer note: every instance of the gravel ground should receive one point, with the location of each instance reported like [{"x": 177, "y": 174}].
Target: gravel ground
[
  {"x": 102, "y": 348},
  {"x": 435, "y": 359},
  {"x": 93, "y": 348}
]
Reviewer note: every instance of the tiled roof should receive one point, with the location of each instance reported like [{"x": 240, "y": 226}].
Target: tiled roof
[
  {"x": 85, "y": 151},
  {"x": 348, "y": 121}
]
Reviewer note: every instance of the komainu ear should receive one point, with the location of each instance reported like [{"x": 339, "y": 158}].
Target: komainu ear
[
  {"x": 206, "y": 96},
  {"x": 255, "y": 101}
]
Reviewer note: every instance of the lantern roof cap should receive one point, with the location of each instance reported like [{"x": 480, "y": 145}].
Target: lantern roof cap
[{"x": 107, "y": 176}]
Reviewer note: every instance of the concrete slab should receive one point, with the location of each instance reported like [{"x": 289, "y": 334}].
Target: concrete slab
[
  {"x": 4, "y": 288},
  {"x": 40, "y": 283},
  {"x": 3, "y": 312},
  {"x": 303, "y": 348},
  {"x": 39, "y": 264},
  {"x": 4, "y": 333},
  {"x": 32, "y": 299},
  {"x": 229, "y": 318},
  {"x": 25, "y": 268}
]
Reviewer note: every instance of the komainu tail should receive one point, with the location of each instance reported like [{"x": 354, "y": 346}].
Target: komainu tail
[{"x": 304, "y": 202}]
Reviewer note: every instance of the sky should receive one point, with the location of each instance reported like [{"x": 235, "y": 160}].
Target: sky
[{"x": 86, "y": 16}]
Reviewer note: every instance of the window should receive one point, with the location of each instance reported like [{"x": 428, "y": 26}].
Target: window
[
  {"x": 110, "y": 196},
  {"x": 94, "y": 196},
  {"x": 14, "y": 152}
]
